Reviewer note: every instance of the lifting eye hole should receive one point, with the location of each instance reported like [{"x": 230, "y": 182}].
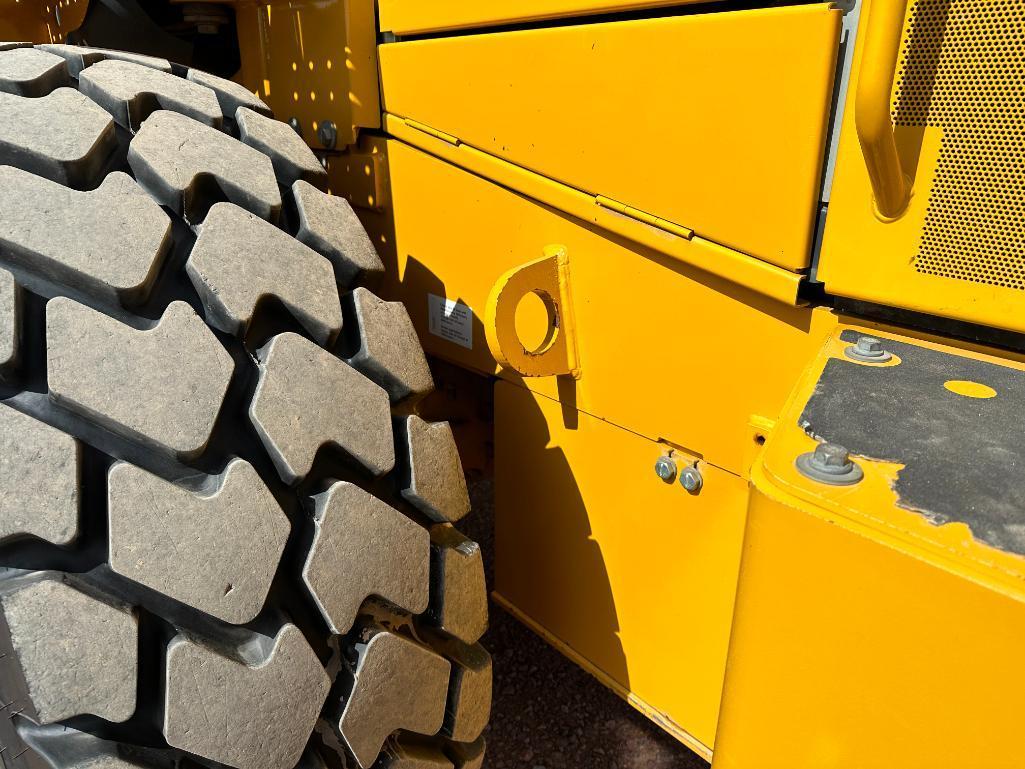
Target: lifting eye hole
[{"x": 537, "y": 321}]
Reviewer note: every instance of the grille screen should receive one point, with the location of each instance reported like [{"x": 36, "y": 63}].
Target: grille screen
[{"x": 962, "y": 69}]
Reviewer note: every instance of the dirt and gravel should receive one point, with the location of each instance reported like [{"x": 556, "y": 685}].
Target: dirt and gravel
[{"x": 548, "y": 713}]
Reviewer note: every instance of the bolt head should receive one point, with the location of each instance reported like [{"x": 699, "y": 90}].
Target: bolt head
[
  {"x": 869, "y": 345},
  {"x": 690, "y": 479},
  {"x": 327, "y": 133},
  {"x": 665, "y": 468},
  {"x": 831, "y": 458},
  {"x": 295, "y": 125}
]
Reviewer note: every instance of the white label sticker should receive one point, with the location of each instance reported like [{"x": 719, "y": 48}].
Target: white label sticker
[{"x": 451, "y": 320}]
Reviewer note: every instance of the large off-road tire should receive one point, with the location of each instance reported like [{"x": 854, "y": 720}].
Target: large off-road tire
[{"x": 225, "y": 534}]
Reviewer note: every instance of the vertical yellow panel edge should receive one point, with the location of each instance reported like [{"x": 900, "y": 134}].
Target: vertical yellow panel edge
[{"x": 747, "y": 271}]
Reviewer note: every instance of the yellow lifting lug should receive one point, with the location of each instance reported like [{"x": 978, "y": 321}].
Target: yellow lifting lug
[{"x": 548, "y": 279}]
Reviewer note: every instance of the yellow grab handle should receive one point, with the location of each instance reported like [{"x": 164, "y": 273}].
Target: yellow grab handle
[
  {"x": 549, "y": 279},
  {"x": 891, "y": 188}
]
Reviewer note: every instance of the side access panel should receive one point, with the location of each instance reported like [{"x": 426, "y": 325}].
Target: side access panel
[
  {"x": 713, "y": 122},
  {"x": 666, "y": 350},
  {"x": 630, "y": 576}
]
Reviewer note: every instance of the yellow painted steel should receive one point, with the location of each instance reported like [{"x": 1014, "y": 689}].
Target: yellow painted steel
[
  {"x": 863, "y": 634},
  {"x": 680, "y": 245},
  {"x": 548, "y": 279},
  {"x": 313, "y": 60},
  {"x": 628, "y": 574},
  {"x": 713, "y": 123},
  {"x": 410, "y": 17},
  {"x": 872, "y": 107},
  {"x": 40, "y": 21},
  {"x": 868, "y": 257},
  {"x": 637, "y": 314}
]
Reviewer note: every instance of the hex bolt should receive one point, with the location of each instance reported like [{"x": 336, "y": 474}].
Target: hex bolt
[
  {"x": 830, "y": 463},
  {"x": 691, "y": 480},
  {"x": 665, "y": 468},
  {"x": 328, "y": 134},
  {"x": 868, "y": 349},
  {"x": 295, "y": 125}
]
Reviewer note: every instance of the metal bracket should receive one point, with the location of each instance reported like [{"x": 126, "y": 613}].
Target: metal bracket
[{"x": 548, "y": 278}]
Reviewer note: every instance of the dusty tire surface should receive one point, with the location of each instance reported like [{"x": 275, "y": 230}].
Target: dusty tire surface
[{"x": 226, "y": 536}]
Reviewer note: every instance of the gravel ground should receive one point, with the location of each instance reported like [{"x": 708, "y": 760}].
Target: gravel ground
[{"x": 548, "y": 713}]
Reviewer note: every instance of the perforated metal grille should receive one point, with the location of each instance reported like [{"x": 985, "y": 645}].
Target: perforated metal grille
[{"x": 962, "y": 69}]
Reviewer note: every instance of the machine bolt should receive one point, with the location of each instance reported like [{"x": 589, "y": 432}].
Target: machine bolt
[
  {"x": 690, "y": 479},
  {"x": 665, "y": 468},
  {"x": 830, "y": 463},
  {"x": 328, "y": 134},
  {"x": 295, "y": 125},
  {"x": 868, "y": 349}
]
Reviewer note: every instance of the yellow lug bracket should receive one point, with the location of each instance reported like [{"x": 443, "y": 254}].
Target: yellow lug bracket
[{"x": 548, "y": 278}]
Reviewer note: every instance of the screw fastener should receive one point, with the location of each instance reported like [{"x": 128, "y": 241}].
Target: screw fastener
[
  {"x": 831, "y": 464},
  {"x": 328, "y": 134},
  {"x": 868, "y": 349},
  {"x": 295, "y": 125},
  {"x": 665, "y": 468},
  {"x": 691, "y": 480}
]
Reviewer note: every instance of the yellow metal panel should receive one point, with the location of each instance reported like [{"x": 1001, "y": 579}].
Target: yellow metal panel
[
  {"x": 864, "y": 634},
  {"x": 313, "y": 60},
  {"x": 410, "y": 17},
  {"x": 956, "y": 249},
  {"x": 633, "y": 575},
  {"x": 37, "y": 21},
  {"x": 684, "y": 246},
  {"x": 714, "y": 122},
  {"x": 666, "y": 350},
  {"x": 851, "y": 650}
]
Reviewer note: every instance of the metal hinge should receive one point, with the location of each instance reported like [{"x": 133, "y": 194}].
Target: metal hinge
[
  {"x": 643, "y": 216},
  {"x": 449, "y": 138}
]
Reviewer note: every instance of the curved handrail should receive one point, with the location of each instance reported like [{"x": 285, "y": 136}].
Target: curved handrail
[{"x": 890, "y": 186}]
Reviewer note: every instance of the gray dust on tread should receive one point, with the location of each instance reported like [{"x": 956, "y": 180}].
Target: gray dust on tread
[
  {"x": 363, "y": 547},
  {"x": 62, "y": 136},
  {"x": 230, "y": 95},
  {"x": 163, "y": 386},
  {"x": 217, "y": 552},
  {"x": 390, "y": 353},
  {"x": 306, "y": 398},
  {"x": 31, "y": 72},
  {"x": 78, "y": 57},
  {"x": 249, "y": 717},
  {"x": 55, "y": 628},
  {"x": 175, "y": 158},
  {"x": 436, "y": 483},
  {"x": 108, "y": 243},
  {"x": 39, "y": 467},
  {"x": 239, "y": 259},
  {"x": 398, "y": 685},
  {"x": 291, "y": 157},
  {"x": 128, "y": 91},
  {"x": 329, "y": 226}
]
